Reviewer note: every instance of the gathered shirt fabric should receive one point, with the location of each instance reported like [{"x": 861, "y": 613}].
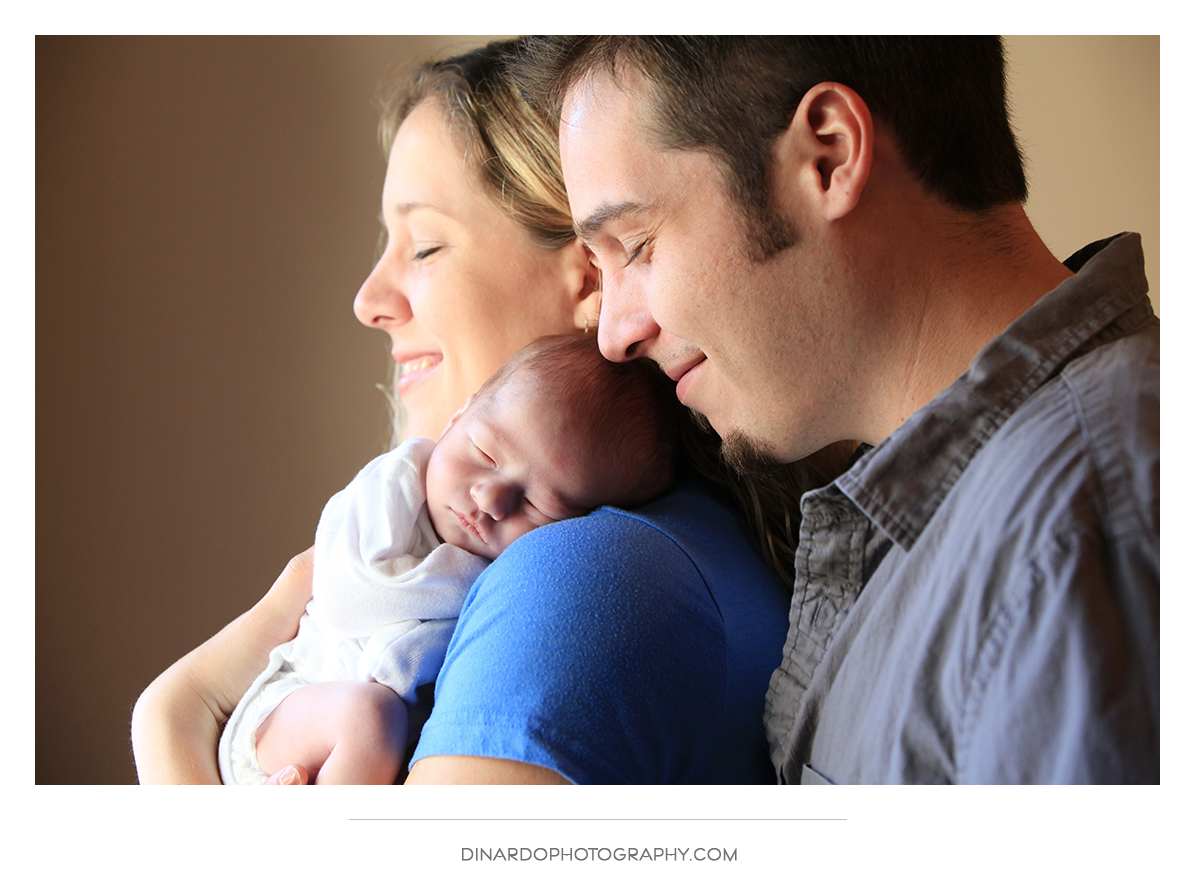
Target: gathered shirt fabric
[
  {"x": 977, "y": 597},
  {"x": 624, "y": 647}
]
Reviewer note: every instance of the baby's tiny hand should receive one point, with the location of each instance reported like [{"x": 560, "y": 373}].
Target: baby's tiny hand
[{"x": 291, "y": 775}]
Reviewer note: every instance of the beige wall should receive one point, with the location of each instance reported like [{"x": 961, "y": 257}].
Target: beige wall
[
  {"x": 206, "y": 208},
  {"x": 1087, "y": 112}
]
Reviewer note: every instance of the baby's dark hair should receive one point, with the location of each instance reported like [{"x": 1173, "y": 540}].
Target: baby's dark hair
[{"x": 623, "y": 409}]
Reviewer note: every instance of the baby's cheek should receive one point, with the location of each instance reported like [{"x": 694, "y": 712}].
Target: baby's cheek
[{"x": 517, "y": 530}]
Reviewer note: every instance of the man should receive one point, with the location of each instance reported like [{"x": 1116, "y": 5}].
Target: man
[{"x": 823, "y": 239}]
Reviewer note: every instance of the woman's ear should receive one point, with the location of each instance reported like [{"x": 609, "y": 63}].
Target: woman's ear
[{"x": 823, "y": 159}]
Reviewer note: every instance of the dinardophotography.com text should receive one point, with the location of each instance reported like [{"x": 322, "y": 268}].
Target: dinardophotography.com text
[{"x": 598, "y": 854}]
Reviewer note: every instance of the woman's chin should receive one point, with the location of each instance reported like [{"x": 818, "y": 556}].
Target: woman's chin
[
  {"x": 421, "y": 425},
  {"x": 426, "y": 411}
]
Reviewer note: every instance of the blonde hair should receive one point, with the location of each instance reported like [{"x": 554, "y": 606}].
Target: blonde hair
[{"x": 509, "y": 145}]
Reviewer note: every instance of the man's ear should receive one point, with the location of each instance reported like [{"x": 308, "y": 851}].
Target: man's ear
[
  {"x": 825, "y": 154},
  {"x": 586, "y": 288}
]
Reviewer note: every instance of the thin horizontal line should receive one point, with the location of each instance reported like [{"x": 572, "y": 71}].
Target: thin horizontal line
[{"x": 592, "y": 819}]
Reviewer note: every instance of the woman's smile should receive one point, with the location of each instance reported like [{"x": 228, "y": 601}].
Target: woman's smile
[{"x": 414, "y": 370}]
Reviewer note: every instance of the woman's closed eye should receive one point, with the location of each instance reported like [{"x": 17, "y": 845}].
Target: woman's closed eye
[{"x": 421, "y": 255}]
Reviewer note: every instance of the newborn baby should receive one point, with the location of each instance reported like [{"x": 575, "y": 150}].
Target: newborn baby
[{"x": 556, "y": 432}]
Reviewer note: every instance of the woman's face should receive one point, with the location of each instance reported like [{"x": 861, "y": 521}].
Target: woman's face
[{"x": 461, "y": 286}]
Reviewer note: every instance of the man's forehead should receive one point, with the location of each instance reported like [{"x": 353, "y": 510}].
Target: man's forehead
[
  {"x": 601, "y": 92},
  {"x": 605, "y": 145}
]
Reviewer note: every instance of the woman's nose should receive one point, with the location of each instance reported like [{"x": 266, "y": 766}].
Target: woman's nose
[{"x": 380, "y": 301}]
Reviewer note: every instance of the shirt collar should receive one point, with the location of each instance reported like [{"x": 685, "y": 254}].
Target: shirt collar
[{"x": 900, "y": 483}]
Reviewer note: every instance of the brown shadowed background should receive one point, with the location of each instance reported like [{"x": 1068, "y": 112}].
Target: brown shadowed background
[{"x": 206, "y": 209}]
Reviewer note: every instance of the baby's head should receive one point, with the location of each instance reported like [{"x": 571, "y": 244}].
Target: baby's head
[{"x": 556, "y": 432}]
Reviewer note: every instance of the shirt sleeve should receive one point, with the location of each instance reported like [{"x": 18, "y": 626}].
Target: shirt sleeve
[{"x": 592, "y": 647}]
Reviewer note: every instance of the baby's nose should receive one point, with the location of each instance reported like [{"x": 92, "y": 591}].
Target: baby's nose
[{"x": 494, "y": 498}]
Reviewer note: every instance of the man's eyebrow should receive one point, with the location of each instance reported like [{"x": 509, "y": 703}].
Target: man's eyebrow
[{"x": 593, "y": 223}]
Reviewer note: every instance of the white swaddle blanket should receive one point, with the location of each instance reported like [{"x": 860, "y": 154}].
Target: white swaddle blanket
[{"x": 385, "y": 598}]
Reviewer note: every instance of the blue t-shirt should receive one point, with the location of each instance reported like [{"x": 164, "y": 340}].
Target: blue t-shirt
[{"x": 621, "y": 647}]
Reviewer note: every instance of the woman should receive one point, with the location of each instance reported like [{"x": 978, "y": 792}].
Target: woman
[{"x": 615, "y": 648}]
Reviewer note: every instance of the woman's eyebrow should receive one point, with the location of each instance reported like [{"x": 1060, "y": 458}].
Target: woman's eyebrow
[
  {"x": 406, "y": 208},
  {"x": 605, "y": 213}
]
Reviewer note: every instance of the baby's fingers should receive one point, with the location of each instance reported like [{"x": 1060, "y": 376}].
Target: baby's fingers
[{"x": 291, "y": 775}]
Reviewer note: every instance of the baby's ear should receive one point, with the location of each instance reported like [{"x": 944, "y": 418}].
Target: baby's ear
[{"x": 457, "y": 416}]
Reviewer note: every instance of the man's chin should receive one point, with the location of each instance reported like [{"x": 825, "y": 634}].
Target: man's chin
[
  {"x": 747, "y": 456},
  {"x": 743, "y": 454}
]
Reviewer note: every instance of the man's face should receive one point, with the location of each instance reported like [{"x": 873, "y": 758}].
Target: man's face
[{"x": 751, "y": 345}]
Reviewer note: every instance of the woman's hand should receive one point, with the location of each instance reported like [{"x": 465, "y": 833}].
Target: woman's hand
[{"x": 177, "y": 719}]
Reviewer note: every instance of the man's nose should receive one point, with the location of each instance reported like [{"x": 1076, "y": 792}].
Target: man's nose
[{"x": 626, "y": 329}]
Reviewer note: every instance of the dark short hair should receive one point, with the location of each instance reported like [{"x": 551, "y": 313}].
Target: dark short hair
[
  {"x": 943, "y": 98},
  {"x": 623, "y": 411}
]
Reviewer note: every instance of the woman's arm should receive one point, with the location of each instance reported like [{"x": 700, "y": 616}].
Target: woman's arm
[{"x": 177, "y": 719}]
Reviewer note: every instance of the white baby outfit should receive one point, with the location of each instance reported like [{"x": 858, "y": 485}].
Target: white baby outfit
[{"x": 385, "y": 598}]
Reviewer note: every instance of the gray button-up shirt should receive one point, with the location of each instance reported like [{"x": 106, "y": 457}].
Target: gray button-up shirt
[{"x": 977, "y": 597}]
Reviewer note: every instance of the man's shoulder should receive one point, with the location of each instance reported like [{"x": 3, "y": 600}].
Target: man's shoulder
[
  {"x": 1076, "y": 464},
  {"x": 1092, "y": 432},
  {"x": 1125, "y": 368}
]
